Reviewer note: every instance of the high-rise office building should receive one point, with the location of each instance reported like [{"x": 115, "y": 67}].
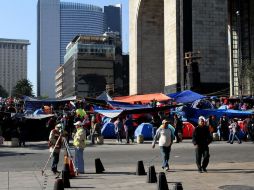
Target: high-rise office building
[
  {"x": 13, "y": 62},
  {"x": 58, "y": 23},
  {"x": 89, "y": 66},
  {"x": 113, "y": 18}
]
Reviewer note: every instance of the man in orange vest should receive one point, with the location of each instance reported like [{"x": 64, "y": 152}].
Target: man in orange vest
[{"x": 55, "y": 144}]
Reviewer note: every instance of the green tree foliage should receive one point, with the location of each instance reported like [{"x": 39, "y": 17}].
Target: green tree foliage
[
  {"x": 23, "y": 87},
  {"x": 3, "y": 92}
]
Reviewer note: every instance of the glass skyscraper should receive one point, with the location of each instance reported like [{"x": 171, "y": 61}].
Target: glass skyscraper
[
  {"x": 57, "y": 24},
  {"x": 113, "y": 18}
]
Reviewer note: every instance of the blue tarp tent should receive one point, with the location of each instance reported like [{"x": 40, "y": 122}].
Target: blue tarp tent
[
  {"x": 186, "y": 96},
  {"x": 145, "y": 129},
  {"x": 108, "y": 130},
  {"x": 193, "y": 114}
]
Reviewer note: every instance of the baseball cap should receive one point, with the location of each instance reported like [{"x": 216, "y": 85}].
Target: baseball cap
[
  {"x": 164, "y": 121},
  {"x": 78, "y": 123},
  {"x": 58, "y": 125}
]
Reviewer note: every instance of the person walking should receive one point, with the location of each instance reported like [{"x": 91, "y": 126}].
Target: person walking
[
  {"x": 233, "y": 130},
  {"x": 79, "y": 142},
  {"x": 55, "y": 144},
  {"x": 163, "y": 134},
  {"x": 201, "y": 139}
]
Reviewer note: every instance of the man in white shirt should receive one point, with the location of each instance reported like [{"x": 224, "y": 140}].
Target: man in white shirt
[{"x": 163, "y": 134}]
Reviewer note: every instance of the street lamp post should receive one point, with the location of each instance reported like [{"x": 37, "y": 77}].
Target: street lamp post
[{"x": 239, "y": 56}]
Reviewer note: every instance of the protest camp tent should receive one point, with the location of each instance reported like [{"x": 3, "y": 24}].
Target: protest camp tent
[
  {"x": 188, "y": 129},
  {"x": 108, "y": 130},
  {"x": 145, "y": 129},
  {"x": 186, "y": 96}
]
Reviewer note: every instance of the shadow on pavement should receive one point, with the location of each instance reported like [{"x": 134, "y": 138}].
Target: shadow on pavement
[
  {"x": 217, "y": 170},
  {"x": 8, "y": 153}
]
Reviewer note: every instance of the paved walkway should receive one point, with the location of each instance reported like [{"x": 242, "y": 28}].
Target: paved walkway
[
  {"x": 222, "y": 176},
  {"x": 227, "y": 176}
]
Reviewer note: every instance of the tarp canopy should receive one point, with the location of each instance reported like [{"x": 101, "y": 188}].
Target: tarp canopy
[
  {"x": 146, "y": 98},
  {"x": 104, "y": 96},
  {"x": 192, "y": 114},
  {"x": 145, "y": 129},
  {"x": 33, "y": 103},
  {"x": 134, "y": 110},
  {"x": 186, "y": 96},
  {"x": 127, "y": 106}
]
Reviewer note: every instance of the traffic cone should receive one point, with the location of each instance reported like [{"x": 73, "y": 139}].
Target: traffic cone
[
  {"x": 66, "y": 167},
  {"x": 140, "y": 170},
  {"x": 162, "y": 183},
  {"x": 71, "y": 168},
  {"x": 98, "y": 166},
  {"x": 66, "y": 180},
  {"x": 59, "y": 185},
  {"x": 178, "y": 186},
  {"x": 151, "y": 175}
]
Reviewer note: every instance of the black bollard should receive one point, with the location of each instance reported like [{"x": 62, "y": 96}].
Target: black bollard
[
  {"x": 162, "y": 183},
  {"x": 178, "y": 186},
  {"x": 66, "y": 179},
  {"x": 151, "y": 175},
  {"x": 98, "y": 166},
  {"x": 59, "y": 185},
  {"x": 140, "y": 170}
]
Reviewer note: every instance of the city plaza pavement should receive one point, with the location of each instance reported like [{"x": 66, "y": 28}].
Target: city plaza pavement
[{"x": 224, "y": 175}]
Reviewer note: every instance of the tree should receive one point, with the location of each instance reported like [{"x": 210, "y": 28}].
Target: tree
[
  {"x": 23, "y": 87},
  {"x": 3, "y": 92}
]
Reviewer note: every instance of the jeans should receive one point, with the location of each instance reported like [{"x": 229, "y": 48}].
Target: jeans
[
  {"x": 79, "y": 160},
  {"x": 55, "y": 161},
  {"x": 202, "y": 152},
  {"x": 119, "y": 136},
  {"x": 165, "y": 153},
  {"x": 129, "y": 135},
  {"x": 232, "y": 137},
  {"x": 93, "y": 137}
]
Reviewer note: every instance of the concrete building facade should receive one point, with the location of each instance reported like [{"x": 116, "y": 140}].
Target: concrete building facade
[
  {"x": 89, "y": 66},
  {"x": 162, "y": 31},
  {"x": 57, "y": 24},
  {"x": 13, "y": 62}
]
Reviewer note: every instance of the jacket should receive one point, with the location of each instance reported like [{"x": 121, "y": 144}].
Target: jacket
[
  {"x": 80, "y": 138},
  {"x": 201, "y": 136},
  {"x": 164, "y": 137},
  {"x": 53, "y": 137}
]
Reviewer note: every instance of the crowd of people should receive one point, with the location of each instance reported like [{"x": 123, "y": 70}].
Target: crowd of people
[{"x": 78, "y": 122}]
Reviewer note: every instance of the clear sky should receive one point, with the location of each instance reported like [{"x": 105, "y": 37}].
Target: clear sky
[{"x": 18, "y": 20}]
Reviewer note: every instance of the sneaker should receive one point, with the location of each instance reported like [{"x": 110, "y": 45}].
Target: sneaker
[
  {"x": 199, "y": 170},
  {"x": 240, "y": 142},
  {"x": 166, "y": 169},
  {"x": 56, "y": 172},
  {"x": 204, "y": 170}
]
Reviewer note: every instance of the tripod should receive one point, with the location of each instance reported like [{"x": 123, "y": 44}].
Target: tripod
[{"x": 68, "y": 153}]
